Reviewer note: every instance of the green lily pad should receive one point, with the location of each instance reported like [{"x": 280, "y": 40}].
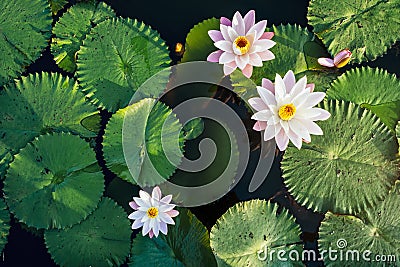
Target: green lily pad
[
  {"x": 374, "y": 89},
  {"x": 198, "y": 44},
  {"x": 186, "y": 244},
  {"x": 349, "y": 168},
  {"x": 193, "y": 128},
  {"x": 79, "y": 19},
  {"x": 144, "y": 143},
  {"x": 250, "y": 230},
  {"x": 4, "y": 224},
  {"x": 376, "y": 230},
  {"x": 367, "y": 28},
  {"x": 38, "y": 104},
  {"x": 103, "y": 239},
  {"x": 54, "y": 182},
  {"x": 57, "y": 5},
  {"x": 117, "y": 56},
  {"x": 25, "y": 30}
]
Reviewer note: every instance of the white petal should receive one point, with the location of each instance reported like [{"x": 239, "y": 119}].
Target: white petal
[
  {"x": 327, "y": 62},
  {"x": 144, "y": 196},
  {"x": 136, "y": 215},
  {"x": 163, "y": 228},
  {"x": 156, "y": 194},
  {"x": 255, "y": 60},
  {"x": 299, "y": 129},
  {"x": 282, "y": 140},
  {"x": 165, "y": 218},
  {"x": 300, "y": 99},
  {"x": 266, "y": 96},
  {"x": 263, "y": 115},
  {"x": 259, "y": 27},
  {"x": 280, "y": 88},
  {"x": 156, "y": 229},
  {"x": 166, "y": 199},
  {"x": 260, "y": 126},
  {"x": 226, "y": 57},
  {"x": 242, "y": 61},
  {"x": 257, "y": 103},
  {"x": 285, "y": 126},
  {"x": 290, "y": 80},
  {"x": 142, "y": 203},
  {"x": 229, "y": 67},
  {"x": 313, "y": 99},
  {"x": 146, "y": 228},
  {"x": 224, "y": 32},
  {"x": 238, "y": 24},
  {"x": 166, "y": 207},
  {"x": 266, "y": 55},
  {"x": 224, "y": 46},
  {"x": 232, "y": 34},
  {"x": 262, "y": 45},
  {"x": 312, "y": 127},
  {"x": 296, "y": 139},
  {"x": 323, "y": 115},
  {"x": 299, "y": 87},
  {"x": 269, "y": 132},
  {"x": 137, "y": 224}
]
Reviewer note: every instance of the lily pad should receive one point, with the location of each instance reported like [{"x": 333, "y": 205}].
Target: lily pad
[
  {"x": 54, "y": 182},
  {"x": 349, "y": 168},
  {"x": 117, "y": 56},
  {"x": 57, "y": 5},
  {"x": 103, "y": 239},
  {"x": 38, "y": 104},
  {"x": 198, "y": 45},
  {"x": 25, "y": 30},
  {"x": 375, "y": 230},
  {"x": 250, "y": 230},
  {"x": 79, "y": 19},
  {"x": 193, "y": 128},
  {"x": 4, "y": 224},
  {"x": 374, "y": 89},
  {"x": 186, "y": 244},
  {"x": 366, "y": 28},
  {"x": 144, "y": 143}
]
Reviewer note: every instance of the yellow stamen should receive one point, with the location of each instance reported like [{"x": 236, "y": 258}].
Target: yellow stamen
[
  {"x": 286, "y": 112},
  {"x": 242, "y": 44},
  {"x": 152, "y": 212}
]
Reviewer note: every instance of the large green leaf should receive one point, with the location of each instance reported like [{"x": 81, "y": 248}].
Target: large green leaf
[
  {"x": 374, "y": 89},
  {"x": 367, "y": 28},
  {"x": 38, "y": 104},
  {"x": 103, "y": 239},
  {"x": 117, "y": 56},
  {"x": 24, "y": 32},
  {"x": 349, "y": 168},
  {"x": 57, "y": 5},
  {"x": 198, "y": 44},
  {"x": 146, "y": 143},
  {"x": 54, "y": 182},
  {"x": 249, "y": 230},
  {"x": 376, "y": 230},
  {"x": 186, "y": 244},
  {"x": 79, "y": 19},
  {"x": 4, "y": 224}
]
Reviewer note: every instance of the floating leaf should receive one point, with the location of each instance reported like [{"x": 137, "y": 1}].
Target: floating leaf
[
  {"x": 186, "y": 244},
  {"x": 103, "y": 239},
  {"x": 244, "y": 233},
  {"x": 374, "y": 89},
  {"x": 79, "y": 19},
  {"x": 38, "y": 104},
  {"x": 54, "y": 182},
  {"x": 350, "y": 167},
  {"x": 4, "y": 224},
  {"x": 193, "y": 128},
  {"x": 198, "y": 44},
  {"x": 117, "y": 56},
  {"x": 57, "y": 5},
  {"x": 366, "y": 28},
  {"x": 375, "y": 230},
  {"x": 25, "y": 30},
  {"x": 147, "y": 140}
]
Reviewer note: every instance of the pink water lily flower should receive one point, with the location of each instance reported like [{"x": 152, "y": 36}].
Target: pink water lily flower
[
  {"x": 340, "y": 60},
  {"x": 242, "y": 43},
  {"x": 153, "y": 213},
  {"x": 285, "y": 110}
]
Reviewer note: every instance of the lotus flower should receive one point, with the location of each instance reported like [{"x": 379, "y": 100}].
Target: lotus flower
[
  {"x": 153, "y": 213},
  {"x": 242, "y": 43},
  {"x": 285, "y": 110},
  {"x": 340, "y": 60}
]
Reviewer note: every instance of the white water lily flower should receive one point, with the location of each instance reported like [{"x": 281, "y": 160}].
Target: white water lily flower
[
  {"x": 242, "y": 43},
  {"x": 153, "y": 213},
  {"x": 286, "y": 110}
]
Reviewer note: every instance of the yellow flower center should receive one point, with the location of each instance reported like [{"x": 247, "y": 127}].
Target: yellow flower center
[
  {"x": 286, "y": 112},
  {"x": 242, "y": 44},
  {"x": 152, "y": 212}
]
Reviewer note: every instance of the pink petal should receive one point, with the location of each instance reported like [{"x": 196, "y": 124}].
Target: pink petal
[
  {"x": 260, "y": 126},
  {"x": 259, "y": 27},
  {"x": 290, "y": 80},
  {"x": 151, "y": 234},
  {"x": 257, "y": 103},
  {"x": 225, "y": 21},
  {"x": 166, "y": 199},
  {"x": 327, "y": 62},
  {"x": 255, "y": 60},
  {"x": 224, "y": 32},
  {"x": 266, "y": 55},
  {"x": 311, "y": 86},
  {"x": 249, "y": 20},
  {"x": 267, "y": 35},
  {"x": 242, "y": 61},
  {"x": 156, "y": 194},
  {"x": 282, "y": 140},
  {"x": 133, "y": 205},
  {"x": 267, "y": 84},
  {"x": 269, "y": 132},
  {"x": 266, "y": 95},
  {"x": 238, "y": 24},
  {"x": 341, "y": 57},
  {"x": 215, "y": 35},
  {"x": 214, "y": 56},
  {"x": 173, "y": 213},
  {"x": 224, "y": 46},
  {"x": 229, "y": 68},
  {"x": 226, "y": 57},
  {"x": 163, "y": 227},
  {"x": 248, "y": 71}
]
